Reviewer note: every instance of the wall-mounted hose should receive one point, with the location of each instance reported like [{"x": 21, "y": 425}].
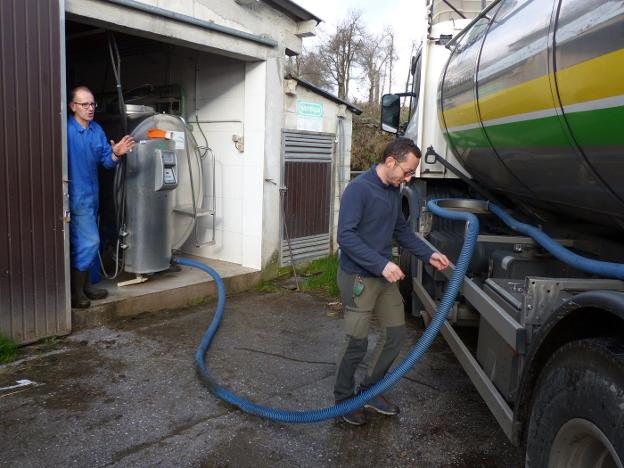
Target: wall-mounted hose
[
  {"x": 347, "y": 406},
  {"x": 119, "y": 183},
  {"x": 595, "y": 267}
]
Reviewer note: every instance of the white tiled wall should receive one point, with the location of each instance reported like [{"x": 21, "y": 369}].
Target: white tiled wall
[
  {"x": 232, "y": 90},
  {"x": 253, "y": 174}
]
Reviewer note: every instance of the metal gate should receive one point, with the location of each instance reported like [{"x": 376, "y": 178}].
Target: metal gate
[
  {"x": 306, "y": 195},
  {"x": 33, "y": 292}
]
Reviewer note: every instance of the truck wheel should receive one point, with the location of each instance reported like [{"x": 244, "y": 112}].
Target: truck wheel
[{"x": 577, "y": 417}]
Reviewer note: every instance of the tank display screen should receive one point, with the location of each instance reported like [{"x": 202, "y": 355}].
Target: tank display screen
[{"x": 168, "y": 158}]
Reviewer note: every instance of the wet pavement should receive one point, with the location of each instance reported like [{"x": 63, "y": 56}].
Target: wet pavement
[{"x": 127, "y": 395}]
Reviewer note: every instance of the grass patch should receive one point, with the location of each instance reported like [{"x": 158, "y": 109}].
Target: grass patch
[
  {"x": 267, "y": 286},
  {"x": 8, "y": 350},
  {"x": 318, "y": 275},
  {"x": 271, "y": 285},
  {"x": 51, "y": 343},
  {"x": 321, "y": 274}
]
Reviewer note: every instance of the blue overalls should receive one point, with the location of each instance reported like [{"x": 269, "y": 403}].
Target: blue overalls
[{"x": 86, "y": 148}]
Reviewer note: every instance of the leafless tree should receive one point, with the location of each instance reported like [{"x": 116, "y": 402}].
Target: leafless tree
[
  {"x": 346, "y": 54},
  {"x": 341, "y": 50},
  {"x": 392, "y": 57},
  {"x": 377, "y": 53},
  {"x": 309, "y": 66}
]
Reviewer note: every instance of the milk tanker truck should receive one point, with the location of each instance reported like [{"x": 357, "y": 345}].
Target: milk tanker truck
[{"x": 529, "y": 116}]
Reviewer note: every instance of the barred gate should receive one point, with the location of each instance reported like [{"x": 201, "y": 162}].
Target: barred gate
[{"x": 306, "y": 195}]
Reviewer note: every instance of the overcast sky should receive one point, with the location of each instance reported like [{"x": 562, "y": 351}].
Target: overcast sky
[{"x": 405, "y": 17}]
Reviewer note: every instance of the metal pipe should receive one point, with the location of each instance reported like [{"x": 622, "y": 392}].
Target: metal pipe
[
  {"x": 154, "y": 10},
  {"x": 450, "y": 5}
]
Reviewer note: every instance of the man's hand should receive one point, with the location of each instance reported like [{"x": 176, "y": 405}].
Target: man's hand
[
  {"x": 438, "y": 261},
  {"x": 122, "y": 146},
  {"x": 392, "y": 272}
]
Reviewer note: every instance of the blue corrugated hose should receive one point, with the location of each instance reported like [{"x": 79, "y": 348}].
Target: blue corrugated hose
[
  {"x": 350, "y": 405},
  {"x": 594, "y": 267}
]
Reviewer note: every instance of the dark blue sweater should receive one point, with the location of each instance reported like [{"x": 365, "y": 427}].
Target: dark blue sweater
[{"x": 370, "y": 217}]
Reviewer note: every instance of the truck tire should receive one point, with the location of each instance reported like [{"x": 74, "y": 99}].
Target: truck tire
[{"x": 577, "y": 416}]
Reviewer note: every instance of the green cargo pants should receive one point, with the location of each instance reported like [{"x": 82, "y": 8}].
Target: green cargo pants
[{"x": 382, "y": 298}]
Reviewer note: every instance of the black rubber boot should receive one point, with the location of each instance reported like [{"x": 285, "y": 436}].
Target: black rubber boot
[
  {"x": 79, "y": 299},
  {"x": 91, "y": 291}
]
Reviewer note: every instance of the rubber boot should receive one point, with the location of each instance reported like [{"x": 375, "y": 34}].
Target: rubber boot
[
  {"x": 91, "y": 291},
  {"x": 79, "y": 300}
]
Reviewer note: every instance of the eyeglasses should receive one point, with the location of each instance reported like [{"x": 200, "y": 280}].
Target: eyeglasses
[
  {"x": 410, "y": 173},
  {"x": 86, "y": 105}
]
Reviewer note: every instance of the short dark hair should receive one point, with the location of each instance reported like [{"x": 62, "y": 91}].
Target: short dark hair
[
  {"x": 399, "y": 148},
  {"x": 72, "y": 93}
]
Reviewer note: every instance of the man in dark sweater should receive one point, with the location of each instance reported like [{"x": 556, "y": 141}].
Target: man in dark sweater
[{"x": 370, "y": 218}]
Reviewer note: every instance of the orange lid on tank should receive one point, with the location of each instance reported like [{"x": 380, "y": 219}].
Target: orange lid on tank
[{"x": 153, "y": 133}]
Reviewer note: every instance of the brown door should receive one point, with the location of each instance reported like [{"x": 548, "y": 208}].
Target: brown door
[
  {"x": 306, "y": 195},
  {"x": 33, "y": 299}
]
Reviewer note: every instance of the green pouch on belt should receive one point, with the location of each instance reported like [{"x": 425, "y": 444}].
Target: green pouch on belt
[{"x": 358, "y": 286}]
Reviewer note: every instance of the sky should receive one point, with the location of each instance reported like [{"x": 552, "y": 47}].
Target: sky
[{"x": 404, "y": 16}]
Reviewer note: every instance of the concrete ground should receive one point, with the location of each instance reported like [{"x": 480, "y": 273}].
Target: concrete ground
[{"x": 127, "y": 395}]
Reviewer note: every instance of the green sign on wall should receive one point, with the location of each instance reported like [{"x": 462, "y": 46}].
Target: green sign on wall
[{"x": 309, "y": 109}]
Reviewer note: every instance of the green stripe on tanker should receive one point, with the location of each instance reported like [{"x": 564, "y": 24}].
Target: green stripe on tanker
[{"x": 601, "y": 127}]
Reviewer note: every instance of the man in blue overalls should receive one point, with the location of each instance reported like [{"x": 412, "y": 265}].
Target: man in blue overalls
[{"x": 87, "y": 147}]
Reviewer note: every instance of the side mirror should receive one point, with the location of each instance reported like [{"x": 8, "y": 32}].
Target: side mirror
[{"x": 390, "y": 113}]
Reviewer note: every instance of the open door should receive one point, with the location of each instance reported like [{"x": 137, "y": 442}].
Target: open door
[{"x": 33, "y": 248}]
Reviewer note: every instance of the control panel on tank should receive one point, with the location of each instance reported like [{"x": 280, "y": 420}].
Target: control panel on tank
[{"x": 166, "y": 177}]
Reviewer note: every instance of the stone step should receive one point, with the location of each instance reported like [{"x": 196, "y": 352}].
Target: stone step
[{"x": 166, "y": 290}]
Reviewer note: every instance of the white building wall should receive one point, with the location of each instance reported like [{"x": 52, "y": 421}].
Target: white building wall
[
  {"x": 272, "y": 160},
  {"x": 239, "y": 92},
  {"x": 258, "y": 19}
]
